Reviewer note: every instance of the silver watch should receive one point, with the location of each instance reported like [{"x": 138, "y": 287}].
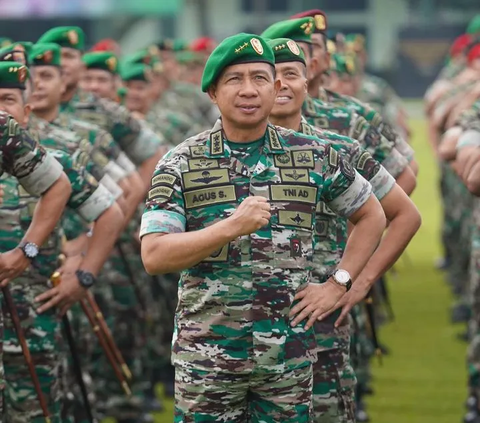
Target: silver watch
[
  {"x": 342, "y": 277},
  {"x": 29, "y": 249}
]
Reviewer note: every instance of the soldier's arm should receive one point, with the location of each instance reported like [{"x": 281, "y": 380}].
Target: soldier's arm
[
  {"x": 95, "y": 204},
  {"x": 348, "y": 194},
  {"x": 167, "y": 247},
  {"x": 40, "y": 174}
]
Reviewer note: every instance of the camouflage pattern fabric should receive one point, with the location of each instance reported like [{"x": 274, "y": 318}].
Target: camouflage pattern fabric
[
  {"x": 371, "y": 116},
  {"x": 333, "y": 397},
  {"x": 334, "y": 385},
  {"x": 345, "y": 122},
  {"x": 115, "y": 119},
  {"x": 220, "y": 397},
  {"x": 23, "y": 158},
  {"x": 473, "y": 357},
  {"x": 262, "y": 271},
  {"x": 90, "y": 200}
]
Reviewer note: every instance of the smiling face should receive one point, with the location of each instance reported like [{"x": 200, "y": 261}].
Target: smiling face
[
  {"x": 293, "y": 89},
  {"x": 245, "y": 94}
]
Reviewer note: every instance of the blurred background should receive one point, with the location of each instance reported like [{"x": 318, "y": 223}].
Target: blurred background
[{"x": 407, "y": 39}]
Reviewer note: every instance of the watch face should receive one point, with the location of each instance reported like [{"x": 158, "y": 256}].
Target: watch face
[
  {"x": 342, "y": 276},
  {"x": 31, "y": 250}
]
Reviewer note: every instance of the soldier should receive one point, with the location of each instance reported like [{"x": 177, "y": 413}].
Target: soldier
[
  {"x": 319, "y": 60},
  {"x": 125, "y": 275},
  {"x": 245, "y": 253},
  {"x": 340, "y": 119},
  {"x": 101, "y": 74},
  {"x": 141, "y": 146},
  {"x": 175, "y": 126},
  {"x": 333, "y": 397},
  {"x": 95, "y": 204}
]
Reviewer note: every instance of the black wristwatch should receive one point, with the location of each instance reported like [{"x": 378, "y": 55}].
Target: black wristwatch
[
  {"x": 29, "y": 249},
  {"x": 86, "y": 279}
]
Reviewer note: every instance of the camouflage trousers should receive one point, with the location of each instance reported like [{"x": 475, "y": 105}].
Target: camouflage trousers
[
  {"x": 129, "y": 328},
  {"x": 42, "y": 333},
  {"x": 473, "y": 356},
  {"x": 333, "y": 376},
  {"x": 204, "y": 396}
]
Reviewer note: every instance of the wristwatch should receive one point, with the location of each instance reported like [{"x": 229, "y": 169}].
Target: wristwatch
[
  {"x": 342, "y": 277},
  {"x": 29, "y": 249},
  {"x": 86, "y": 279}
]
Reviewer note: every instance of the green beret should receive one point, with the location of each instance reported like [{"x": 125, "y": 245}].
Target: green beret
[
  {"x": 169, "y": 44},
  {"x": 65, "y": 36},
  {"x": 45, "y": 54},
  {"x": 16, "y": 52},
  {"x": 474, "y": 25},
  {"x": 13, "y": 75},
  {"x": 344, "y": 64},
  {"x": 146, "y": 56},
  {"x": 104, "y": 60},
  {"x": 286, "y": 50},
  {"x": 136, "y": 72},
  {"x": 189, "y": 57},
  {"x": 299, "y": 30},
  {"x": 355, "y": 42},
  {"x": 5, "y": 41},
  {"x": 240, "y": 48}
]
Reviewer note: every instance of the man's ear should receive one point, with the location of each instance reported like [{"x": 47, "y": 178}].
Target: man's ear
[
  {"x": 27, "y": 109},
  {"x": 212, "y": 93}
]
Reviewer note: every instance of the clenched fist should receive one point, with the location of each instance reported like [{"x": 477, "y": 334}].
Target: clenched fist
[{"x": 251, "y": 215}]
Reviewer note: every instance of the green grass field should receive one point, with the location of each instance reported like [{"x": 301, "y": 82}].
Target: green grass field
[{"x": 424, "y": 378}]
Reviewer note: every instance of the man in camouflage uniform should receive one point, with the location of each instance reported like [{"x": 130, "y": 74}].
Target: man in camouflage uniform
[
  {"x": 247, "y": 247},
  {"x": 55, "y": 132},
  {"x": 120, "y": 272},
  {"x": 179, "y": 95},
  {"x": 93, "y": 203},
  {"x": 174, "y": 125},
  {"x": 333, "y": 378},
  {"x": 465, "y": 162}
]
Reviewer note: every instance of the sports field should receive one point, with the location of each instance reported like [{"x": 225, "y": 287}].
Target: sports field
[{"x": 424, "y": 378}]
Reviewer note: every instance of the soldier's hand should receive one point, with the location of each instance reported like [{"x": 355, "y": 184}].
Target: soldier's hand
[
  {"x": 314, "y": 300},
  {"x": 356, "y": 295},
  {"x": 467, "y": 157},
  {"x": 251, "y": 215},
  {"x": 12, "y": 264},
  {"x": 2, "y": 193},
  {"x": 63, "y": 296}
]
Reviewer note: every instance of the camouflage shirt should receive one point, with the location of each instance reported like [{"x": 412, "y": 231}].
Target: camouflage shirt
[
  {"x": 22, "y": 157},
  {"x": 117, "y": 120},
  {"x": 232, "y": 314},
  {"x": 88, "y": 198},
  {"x": 53, "y": 136},
  {"x": 330, "y": 236},
  {"x": 104, "y": 146},
  {"x": 345, "y": 122},
  {"x": 372, "y": 117}
]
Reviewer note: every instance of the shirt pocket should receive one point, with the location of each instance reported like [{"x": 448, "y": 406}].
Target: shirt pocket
[{"x": 292, "y": 235}]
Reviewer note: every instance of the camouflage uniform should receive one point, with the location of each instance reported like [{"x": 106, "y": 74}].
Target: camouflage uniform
[
  {"x": 333, "y": 375},
  {"x": 470, "y": 122},
  {"x": 35, "y": 170},
  {"x": 90, "y": 200},
  {"x": 232, "y": 334},
  {"x": 188, "y": 99},
  {"x": 371, "y": 116},
  {"x": 121, "y": 308},
  {"x": 58, "y": 135}
]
